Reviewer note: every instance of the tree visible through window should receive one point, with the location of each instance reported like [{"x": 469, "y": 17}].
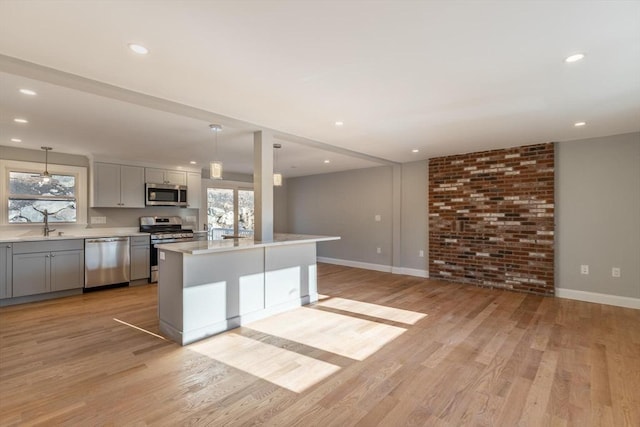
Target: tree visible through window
[
  {"x": 220, "y": 212},
  {"x": 222, "y": 205},
  {"x": 29, "y": 197},
  {"x": 245, "y": 212}
]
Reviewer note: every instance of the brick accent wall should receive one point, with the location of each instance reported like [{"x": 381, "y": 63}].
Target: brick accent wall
[{"x": 491, "y": 218}]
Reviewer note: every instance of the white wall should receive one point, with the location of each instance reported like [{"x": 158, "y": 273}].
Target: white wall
[{"x": 598, "y": 216}]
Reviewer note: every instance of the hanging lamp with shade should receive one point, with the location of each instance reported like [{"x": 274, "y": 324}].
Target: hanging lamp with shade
[
  {"x": 277, "y": 177},
  {"x": 215, "y": 165},
  {"x": 45, "y": 177}
]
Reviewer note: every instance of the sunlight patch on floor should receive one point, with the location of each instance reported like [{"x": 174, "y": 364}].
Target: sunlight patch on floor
[
  {"x": 336, "y": 333},
  {"x": 373, "y": 310},
  {"x": 284, "y": 368}
]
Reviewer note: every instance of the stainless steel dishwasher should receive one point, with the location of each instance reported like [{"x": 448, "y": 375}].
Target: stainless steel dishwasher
[{"x": 106, "y": 261}]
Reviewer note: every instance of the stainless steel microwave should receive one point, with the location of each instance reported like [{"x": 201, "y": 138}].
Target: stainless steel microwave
[{"x": 165, "y": 195}]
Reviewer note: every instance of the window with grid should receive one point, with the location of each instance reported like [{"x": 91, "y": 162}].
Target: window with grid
[{"x": 29, "y": 197}]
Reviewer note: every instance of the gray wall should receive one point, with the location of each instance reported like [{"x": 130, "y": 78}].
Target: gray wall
[
  {"x": 345, "y": 204},
  {"x": 414, "y": 233},
  {"x": 598, "y": 214}
]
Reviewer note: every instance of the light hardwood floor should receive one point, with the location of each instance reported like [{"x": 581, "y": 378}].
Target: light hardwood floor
[{"x": 380, "y": 349}]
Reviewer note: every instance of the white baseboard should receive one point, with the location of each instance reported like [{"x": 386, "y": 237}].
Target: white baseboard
[
  {"x": 410, "y": 272},
  {"x": 375, "y": 267},
  {"x": 616, "y": 300},
  {"x": 356, "y": 264}
]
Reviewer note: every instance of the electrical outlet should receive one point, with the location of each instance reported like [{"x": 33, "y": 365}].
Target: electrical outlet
[
  {"x": 615, "y": 272},
  {"x": 379, "y": 250},
  {"x": 378, "y": 218},
  {"x": 584, "y": 269},
  {"x": 421, "y": 253}
]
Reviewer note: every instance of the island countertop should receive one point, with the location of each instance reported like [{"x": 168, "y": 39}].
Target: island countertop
[{"x": 211, "y": 246}]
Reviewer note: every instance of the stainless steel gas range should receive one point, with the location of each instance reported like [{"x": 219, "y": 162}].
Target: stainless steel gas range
[{"x": 163, "y": 229}]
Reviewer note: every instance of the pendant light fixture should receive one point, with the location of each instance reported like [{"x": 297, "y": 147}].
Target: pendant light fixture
[
  {"x": 215, "y": 165},
  {"x": 46, "y": 176},
  {"x": 277, "y": 177}
]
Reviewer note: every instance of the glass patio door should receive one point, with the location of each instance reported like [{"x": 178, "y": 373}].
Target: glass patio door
[{"x": 229, "y": 212}]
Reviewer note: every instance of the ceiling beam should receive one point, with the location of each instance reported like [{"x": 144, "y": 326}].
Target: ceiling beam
[{"x": 34, "y": 71}]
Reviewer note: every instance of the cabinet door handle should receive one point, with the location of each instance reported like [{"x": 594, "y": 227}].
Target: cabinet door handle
[
  {"x": 52, "y": 255},
  {"x": 46, "y": 256}
]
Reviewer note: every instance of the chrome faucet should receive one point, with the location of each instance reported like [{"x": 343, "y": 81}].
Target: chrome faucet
[{"x": 47, "y": 230}]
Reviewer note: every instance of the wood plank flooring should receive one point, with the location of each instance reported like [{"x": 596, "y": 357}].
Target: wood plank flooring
[{"x": 377, "y": 350}]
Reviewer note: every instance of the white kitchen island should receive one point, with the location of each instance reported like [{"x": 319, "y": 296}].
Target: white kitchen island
[{"x": 207, "y": 287}]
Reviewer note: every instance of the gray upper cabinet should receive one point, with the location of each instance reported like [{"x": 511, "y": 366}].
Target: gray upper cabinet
[
  {"x": 117, "y": 186},
  {"x": 194, "y": 187},
  {"x": 47, "y": 266},
  {"x": 132, "y": 186},
  {"x": 6, "y": 263},
  {"x": 165, "y": 176}
]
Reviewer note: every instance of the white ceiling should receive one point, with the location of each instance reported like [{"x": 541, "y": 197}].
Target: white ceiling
[{"x": 444, "y": 77}]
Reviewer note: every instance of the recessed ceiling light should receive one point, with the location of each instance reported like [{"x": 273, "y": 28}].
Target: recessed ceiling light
[
  {"x": 16, "y": 140},
  {"x": 574, "y": 58},
  {"x": 19, "y": 120},
  {"x": 415, "y": 150},
  {"x": 138, "y": 48},
  {"x": 339, "y": 124},
  {"x": 578, "y": 124},
  {"x": 327, "y": 161},
  {"x": 193, "y": 162},
  {"x": 28, "y": 92}
]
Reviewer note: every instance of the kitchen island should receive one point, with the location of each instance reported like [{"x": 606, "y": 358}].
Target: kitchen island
[{"x": 207, "y": 287}]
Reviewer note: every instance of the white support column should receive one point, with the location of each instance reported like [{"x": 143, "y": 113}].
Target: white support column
[{"x": 263, "y": 185}]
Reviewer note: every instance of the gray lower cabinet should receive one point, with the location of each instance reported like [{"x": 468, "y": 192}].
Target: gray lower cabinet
[
  {"x": 46, "y": 266},
  {"x": 6, "y": 264},
  {"x": 140, "y": 257},
  {"x": 30, "y": 274},
  {"x": 67, "y": 270}
]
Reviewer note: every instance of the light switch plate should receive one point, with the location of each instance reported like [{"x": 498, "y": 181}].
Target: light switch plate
[
  {"x": 584, "y": 269},
  {"x": 615, "y": 272},
  {"x": 162, "y": 255},
  {"x": 378, "y": 218}
]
